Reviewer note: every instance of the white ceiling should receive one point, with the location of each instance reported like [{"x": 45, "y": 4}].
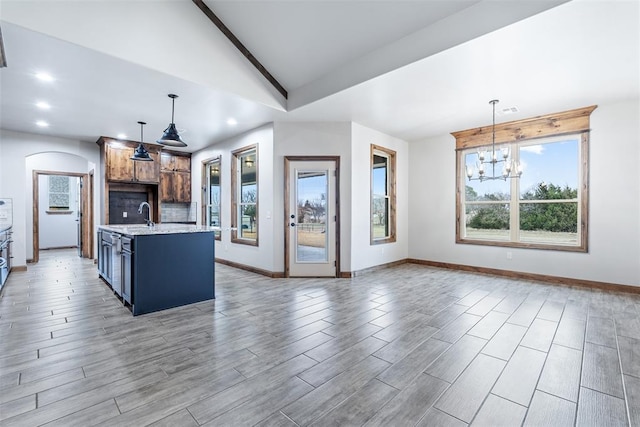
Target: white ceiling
[{"x": 412, "y": 69}]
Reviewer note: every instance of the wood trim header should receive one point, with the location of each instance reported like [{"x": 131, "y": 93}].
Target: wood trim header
[{"x": 572, "y": 121}]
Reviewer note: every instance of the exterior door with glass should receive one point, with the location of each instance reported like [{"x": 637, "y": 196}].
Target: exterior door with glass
[{"x": 311, "y": 218}]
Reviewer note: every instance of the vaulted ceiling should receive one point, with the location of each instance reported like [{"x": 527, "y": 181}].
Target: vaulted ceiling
[{"x": 412, "y": 69}]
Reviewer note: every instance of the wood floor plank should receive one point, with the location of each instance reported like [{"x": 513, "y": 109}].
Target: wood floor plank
[
  {"x": 601, "y": 331},
  {"x": 599, "y": 409},
  {"x": 326, "y": 397},
  {"x": 601, "y": 370},
  {"x": 262, "y": 406},
  {"x": 206, "y": 409},
  {"x": 489, "y": 325},
  {"x": 436, "y": 418},
  {"x": 561, "y": 374},
  {"x": 484, "y": 306},
  {"x": 519, "y": 378},
  {"x": 497, "y": 411},
  {"x": 540, "y": 335},
  {"x": 526, "y": 312},
  {"x": 456, "y": 359},
  {"x": 570, "y": 333},
  {"x": 630, "y": 355},
  {"x": 465, "y": 396},
  {"x": 456, "y": 329},
  {"x": 505, "y": 341},
  {"x": 409, "y": 406},
  {"x": 91, "y": 416},
  {"x": 15, "y": 407},
  {"x": 632, "y": 386},
  {"x": 548, "y": 410},
  {"x": 403, "y": 345},
  {"x": 324, "y": 371},
  {"x": 401, "y": 373},
  {"x": 181, "y": 418},
  {"x": 359, "y": 407}
]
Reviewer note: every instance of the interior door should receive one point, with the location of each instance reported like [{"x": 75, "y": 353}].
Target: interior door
[{"x": 311, "y": 218}]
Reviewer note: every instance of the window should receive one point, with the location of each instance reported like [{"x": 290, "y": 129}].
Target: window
[
  {"x": 546, "y": 208},
  {"x": 383, "y": 195},
  {"x": 58, "y": 193},
  {"x": 244, "y": 187},
  {"x": 212, "y": 195}
]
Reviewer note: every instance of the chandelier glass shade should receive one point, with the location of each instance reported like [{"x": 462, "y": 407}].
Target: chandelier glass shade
[{"x": 491, "y": 159}]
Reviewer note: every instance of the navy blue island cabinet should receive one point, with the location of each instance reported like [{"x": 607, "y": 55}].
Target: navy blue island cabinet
[{"x": 160, "y": 267}]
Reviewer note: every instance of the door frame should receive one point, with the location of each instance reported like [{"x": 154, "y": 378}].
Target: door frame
[
  {"x": 287, "y": 191},
  {"x": 87, "y": 211}
]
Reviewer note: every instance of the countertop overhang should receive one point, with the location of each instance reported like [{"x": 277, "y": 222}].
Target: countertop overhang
[{"x": 144, "y": 230}]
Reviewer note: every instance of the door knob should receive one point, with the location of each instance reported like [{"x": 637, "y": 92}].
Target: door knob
[
  {"x": 292, "y": 216},
  {"x": 293, "y": 224}
]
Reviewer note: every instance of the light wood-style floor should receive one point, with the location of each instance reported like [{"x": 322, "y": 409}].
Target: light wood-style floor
[{"x": 405, "y": 346}]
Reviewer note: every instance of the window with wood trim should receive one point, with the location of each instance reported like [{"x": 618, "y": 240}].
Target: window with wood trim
[
  {"x": 244, "y": 190},
  {"x": 383, "y": 195},
  {"x": 547, "y": 207},
  {"x": 212, "y": 195}
]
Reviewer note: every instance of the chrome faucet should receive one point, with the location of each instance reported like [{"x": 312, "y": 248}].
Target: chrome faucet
[{"x": 148, "y": 218}]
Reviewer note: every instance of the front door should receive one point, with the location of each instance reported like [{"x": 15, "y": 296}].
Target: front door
[{"x": 311, "y": 218}]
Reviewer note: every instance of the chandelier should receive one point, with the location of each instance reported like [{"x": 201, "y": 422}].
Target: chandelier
[{"x": 491, "y": 159}]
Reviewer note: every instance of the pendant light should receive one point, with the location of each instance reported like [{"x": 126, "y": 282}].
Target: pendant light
[
  {"x": 141, "y": 153},
  {"x": 170, "y": 136}
]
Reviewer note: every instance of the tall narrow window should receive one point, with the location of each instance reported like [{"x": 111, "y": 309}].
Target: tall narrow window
[
  {"x": 383, "y": 195},
  {"x": 244, "y": 187},
  {"x": 212, "y": 196},
  {"x": 58, "y": 192},
  {"x": 546, "y": 207}
]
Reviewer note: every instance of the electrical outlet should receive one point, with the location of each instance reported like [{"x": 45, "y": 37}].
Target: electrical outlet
[
  {"x": 509, "y": 255},
  {"x": 124, "y": 214}
]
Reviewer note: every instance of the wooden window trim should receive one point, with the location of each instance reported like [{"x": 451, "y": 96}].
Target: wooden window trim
[
  {"x": 575, "y": 122},
  {"x": 391, "y": 176},
  {"x": 205, "y": 192},
  {"x": 235, "y": 158}
]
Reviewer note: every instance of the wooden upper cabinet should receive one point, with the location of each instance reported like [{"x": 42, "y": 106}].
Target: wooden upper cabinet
[
  {"x": 175, "y": 178},
  {"x": 120, "y": 168}
]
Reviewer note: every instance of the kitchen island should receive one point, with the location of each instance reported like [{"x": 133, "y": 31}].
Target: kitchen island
[{"x": 157, "y": 267}]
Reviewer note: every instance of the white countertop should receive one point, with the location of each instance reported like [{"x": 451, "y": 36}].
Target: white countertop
[{"x": 142, "y": 230}]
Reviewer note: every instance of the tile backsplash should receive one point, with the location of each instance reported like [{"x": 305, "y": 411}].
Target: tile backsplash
[{"x": 178, "y": 212}]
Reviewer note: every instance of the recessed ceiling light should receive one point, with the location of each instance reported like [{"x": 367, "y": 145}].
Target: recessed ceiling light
[
  {"x": 509, "y": 110},
  {"x": 45, "y": 77},
  {"x": 43, "y": 105},
  {"x": 232, "y": 122},
  {"x": 42, "y": 124},
  {"x": 121, "y": 136}
]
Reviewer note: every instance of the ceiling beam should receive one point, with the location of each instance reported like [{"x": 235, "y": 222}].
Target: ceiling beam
[{"x": 238, "y": 44}]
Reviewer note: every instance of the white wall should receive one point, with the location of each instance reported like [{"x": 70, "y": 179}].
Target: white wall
[
  {"x": 614, "y": 207},
  {"x": 262, "y": 256},
  {"x": 364, "y": 254},
  {"x": 53, "y": 154},
  {"x": 57, "y": 230},
  {"x": 313, "y": 139}
]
